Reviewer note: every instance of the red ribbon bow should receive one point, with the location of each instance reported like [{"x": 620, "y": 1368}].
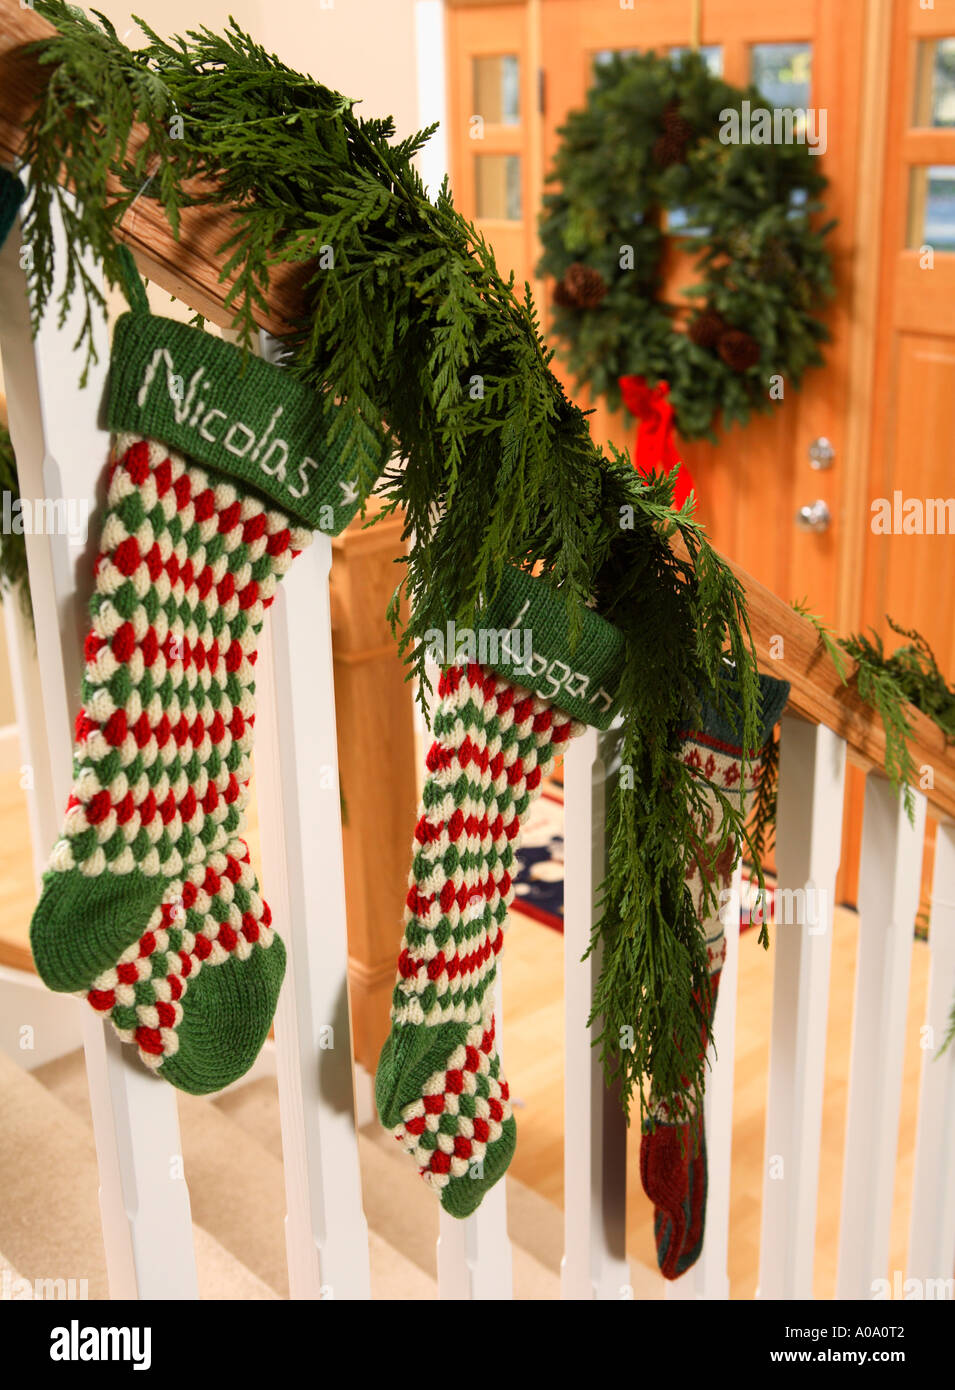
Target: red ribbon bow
[{"x": 656, "y": 443}]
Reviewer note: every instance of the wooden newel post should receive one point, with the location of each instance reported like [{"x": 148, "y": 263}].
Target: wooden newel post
[{"x": 377, "y": 769}]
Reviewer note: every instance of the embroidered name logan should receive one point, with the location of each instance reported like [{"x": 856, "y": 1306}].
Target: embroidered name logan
[{"x": 192, "y": 409}]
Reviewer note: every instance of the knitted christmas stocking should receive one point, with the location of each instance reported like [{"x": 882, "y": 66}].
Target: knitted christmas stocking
[
  {"x": 673, "y": 1153},
  {"x": 150, "y": 907},
  {"x": 499, "y": 724}
]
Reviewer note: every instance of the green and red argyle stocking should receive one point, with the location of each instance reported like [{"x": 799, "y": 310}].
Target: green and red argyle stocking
[
  {"x": 500, "y": 723},
  {"x": 220, "y": 470},
  {"x": 673, "y": 1151}
]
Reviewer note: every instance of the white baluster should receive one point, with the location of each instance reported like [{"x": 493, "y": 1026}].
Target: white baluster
[
  {"x": 595, "y": 1261},
  {"x": 296, "y": 770},
  {"x": 809, "y": 833},
  {"x": 709, "y": 1277},
  {"x": 42, "y": 810},
  {"x": 889, "y": 875},
  {"x": 474, "y": 1254},
  {"x": 62, "y": 452},
  {"x": 932, "y": 1233}
]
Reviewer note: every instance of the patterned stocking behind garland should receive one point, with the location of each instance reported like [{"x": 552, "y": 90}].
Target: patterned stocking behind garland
[
  {"x": 673, "y": 1152},
  {"x": 221, "y": 468},
  {"x": 499, "y": 724}
]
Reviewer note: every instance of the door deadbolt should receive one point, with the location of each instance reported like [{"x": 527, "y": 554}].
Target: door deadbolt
[{"x": 821, "y": 453}]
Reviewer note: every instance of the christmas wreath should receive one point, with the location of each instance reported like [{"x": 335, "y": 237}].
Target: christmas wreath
[{"x": 642, "y": 159}]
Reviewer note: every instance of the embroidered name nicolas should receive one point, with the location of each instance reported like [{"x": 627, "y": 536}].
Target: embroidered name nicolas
[{"x": 192, "y": 409}]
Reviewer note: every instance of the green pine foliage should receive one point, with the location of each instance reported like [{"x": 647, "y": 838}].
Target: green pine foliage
[
  {"x": 913, "y": 670},
  {"x": 908, "y": 676},
  {"x": 763, "y": 825},
  {"x": 437, "y": 360},
  {"x": 751, "y": 211}
]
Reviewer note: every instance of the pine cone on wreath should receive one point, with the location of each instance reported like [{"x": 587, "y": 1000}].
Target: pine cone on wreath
[
  {"x": 581, "y": 288},
  {"x": 671, "y": 147},
  {"x": 676, "y": 125},
  {"x": 738, "y": 349},
  {"x": 707, "y": 328},
  {"x": 667, "y": 151}
]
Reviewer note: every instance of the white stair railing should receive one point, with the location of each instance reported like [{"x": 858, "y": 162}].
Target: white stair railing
[
  {"x": 296, "y": 769},
  {"x": 595, "y": 1263},
  {"x": 709, "y": 1277},
  {"x": 61, "y": 452},
  {"x": 889, "y": 874},
  {"x": 474, "y": 1255},
  {"x": 808, "y": 841}
]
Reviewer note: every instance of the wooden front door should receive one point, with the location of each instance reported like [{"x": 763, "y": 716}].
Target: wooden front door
[
  {"x": 752, "y": 483},
  {"x": 884, "y": 72}
]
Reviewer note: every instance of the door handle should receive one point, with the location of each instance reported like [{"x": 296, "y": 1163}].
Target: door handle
[{"x": 815, "y": 516}]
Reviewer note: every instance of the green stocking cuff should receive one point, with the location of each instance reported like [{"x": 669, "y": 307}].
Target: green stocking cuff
[
  {"x": 533, "y": 648},
  {"x": 773, "y": 695},
  {"x": 236, "y": 413}
]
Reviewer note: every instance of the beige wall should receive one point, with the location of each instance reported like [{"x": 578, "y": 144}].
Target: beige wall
[{"x": 364, "y": 48}]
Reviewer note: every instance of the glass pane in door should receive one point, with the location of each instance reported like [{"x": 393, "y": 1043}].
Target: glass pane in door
[
  {"x": 497, "y": 181},
  {"x": 497, "y": 88},
  {"x": 711, "y": 53},
  {"x": 606, "y": 55},
  {"x": 931, "y": 211},
  {"x": 782, "y": 72},
  {"x": 935, "y": 83}
]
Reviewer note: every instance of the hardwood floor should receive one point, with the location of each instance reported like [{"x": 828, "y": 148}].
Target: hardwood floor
[
  {"x": 533, "y": 1058},
  {"x": 533, "y": 1034}
]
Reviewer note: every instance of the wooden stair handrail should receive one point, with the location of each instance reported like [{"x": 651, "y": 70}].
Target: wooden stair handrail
[
  {"x": 189, "y": 269},
  {"x": 819, "y": 695}
]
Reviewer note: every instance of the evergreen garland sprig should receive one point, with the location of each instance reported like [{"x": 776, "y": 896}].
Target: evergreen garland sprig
[
  {"x": 435, "y": 357},
  {"x": 909, "y": 676},
  {"x": 913, "y": 670}
]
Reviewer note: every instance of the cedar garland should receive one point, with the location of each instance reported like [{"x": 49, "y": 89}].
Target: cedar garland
[{"x": 408, "y": 316}]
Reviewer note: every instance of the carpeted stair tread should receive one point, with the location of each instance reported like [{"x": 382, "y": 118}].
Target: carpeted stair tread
[
  {"x": 50, "y": 1217},
  {"x": 237, "y": 1187},
  {"x": 401, "y": 1209}
]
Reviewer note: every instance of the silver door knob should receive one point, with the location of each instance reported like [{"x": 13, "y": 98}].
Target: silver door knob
[
  {"x": 815, "y": 516},
  {"x": 821, "y": 453}
]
